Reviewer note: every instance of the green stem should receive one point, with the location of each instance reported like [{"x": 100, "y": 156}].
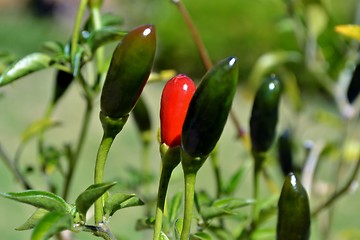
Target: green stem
[
  {"x": 215, "y": 167},
  {"x": 258, "y": 162},
  {"x": 190, "y": 179},
  {"x": 340, "y": 191},
  {"x": 103, "y": 151},
  {"x": 111, "y": 127},
  {"x": 73, "y": 161},
  {"x": 77, "y": 27},
  {"x": 163, "y": 186},
  {"x": 14, "y": 170},
  {"x": 96, "y": 19},
  {"x": 170, "y": 158}
]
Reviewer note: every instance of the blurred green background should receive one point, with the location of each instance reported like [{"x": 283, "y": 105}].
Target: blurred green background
[{"x": 246, "y": 29}]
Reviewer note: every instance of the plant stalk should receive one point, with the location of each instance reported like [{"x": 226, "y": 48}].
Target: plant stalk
[
  {"x": 190, "y": 179},
  {"x": 163, "y": 186},
  {"x": 102, "y": 154}
]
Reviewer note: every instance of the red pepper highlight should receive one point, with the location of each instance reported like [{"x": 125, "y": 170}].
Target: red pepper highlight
[{"x": 175, "y": 100}]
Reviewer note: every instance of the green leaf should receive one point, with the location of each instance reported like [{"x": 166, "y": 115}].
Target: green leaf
[
  {"x": 174, "y": 207},
  {"x": 33, "y": 220},
  {"x": 264, "y": 233},
  {"x": 54, "y": 47},
  {"x": 51, "y": 224},
  {"x": 236, "y": 179},
  {"x": 120, "y": 200},
  {"x": 145, "y": 223},
  {"x": 223, "y": 207},
  {"x": 268, "y": 62},
  {"x": 28, "y": 64},
  {"x": 292, "y": 89},
  {"x": 200, "y": 236},
  {"x": 77, "y": 62},
  {"x": 178, "y": 227},
  {"x": 40, "y": 199},
  {"x": 163, "y": 236},
  {"x": 37, "y": 127},
  {"x": 90, "y": 195},
  {"x": 103, "y": 36}
]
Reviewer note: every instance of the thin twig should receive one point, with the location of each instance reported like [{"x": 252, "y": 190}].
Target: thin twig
[
  {"x": 310, "y": 165},
  {"x": 195, "y": 34},
  {"x": 10, "y": 164},
  {"x": 337, "y": 194}
]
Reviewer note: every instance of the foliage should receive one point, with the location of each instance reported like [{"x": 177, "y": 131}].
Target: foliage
[{"x": 304, "y": 50}]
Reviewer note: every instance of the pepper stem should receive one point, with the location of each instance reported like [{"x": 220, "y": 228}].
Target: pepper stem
[
  {"x": 111, "y": 128},
  {"x": 170, "y": 159},
  {"x": 258, "y": 162},
  {"x": 190, "y": 178},
  {"x": 191, "y": 166}
]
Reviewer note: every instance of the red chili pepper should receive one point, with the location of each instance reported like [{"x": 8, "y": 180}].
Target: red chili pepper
[{"x": 175, "y": 101}]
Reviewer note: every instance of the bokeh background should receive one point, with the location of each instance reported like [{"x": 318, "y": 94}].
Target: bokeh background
[{"x": 246, "y": 29}]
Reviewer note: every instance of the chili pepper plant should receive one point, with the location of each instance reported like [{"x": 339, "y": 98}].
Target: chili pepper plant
[{"x": 271, "y": 193}]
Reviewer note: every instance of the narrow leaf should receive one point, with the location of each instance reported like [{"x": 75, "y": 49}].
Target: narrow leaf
[
  {"x": 37, "y": 127},
  {"x": 236, "y": 179},
  {"x": 33, "y": 220},
  {"x": 163, "y": 236},
  {"x": 268, "y": 62},
  {"x": 223, "y": 207},
  {"x": 174, "y": 207},
  {"x": 54, "y": 47},
  {"x": 145, "y": 223},
  {"x": 40, "y": 199},
  {"x": 29, "y": 64},
  {"x": 103, "y": 36},
  {"x": 51, "y": 224},
  {"x": 90, "y": 195},
  {"x": 120, "y": 200},
  {"x": 200, "y": 236}
]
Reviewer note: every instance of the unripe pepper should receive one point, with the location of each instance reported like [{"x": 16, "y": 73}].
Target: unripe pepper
[
  {"x": 129, "y": 70},
  {"x": 63, "y": 81},
  {"x": 209, "y": 109},
  {"x": 285, "y": 156},
  {"x": 142, "y": 116},
  {"x": 293, "y": 211},
  {"x": 264, "y": 115},
  {"x": 175, "y": 100},
  {"x": 354, "y": 86}
]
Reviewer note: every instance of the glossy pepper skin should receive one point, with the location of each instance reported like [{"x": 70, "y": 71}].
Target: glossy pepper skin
[
  {"x": 293, "y": 211},
  {"x": 264, "y": 115},
  {"x": 63, "y": 81},
  {"x": 175, "y": 100},
  {"x": 129, "y": 70},
  {"x": 209, "y": 109},
  {"x": 354, "y": 86}
]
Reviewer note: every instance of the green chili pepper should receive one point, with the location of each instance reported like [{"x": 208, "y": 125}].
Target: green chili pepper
[
  {"x": 354, "y": 86},
  {"x": 264, "y": 115},
  {"x": 209, "y": 109},
  {"x": 293, "y": 211},
  {"x": 142, "y": 116},
  {"x": 129, "y": 70},
  {"x": 63, "y": 81},
  {"x": 285, "y": 156}
]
